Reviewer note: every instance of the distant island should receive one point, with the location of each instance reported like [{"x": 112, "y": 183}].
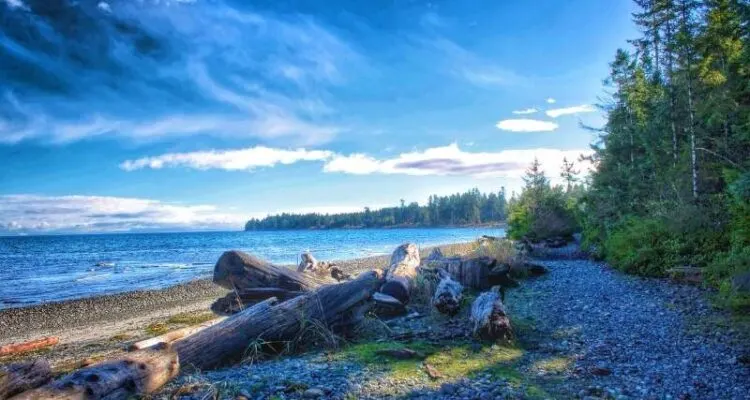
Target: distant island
[{"x": 471, "y": 208}]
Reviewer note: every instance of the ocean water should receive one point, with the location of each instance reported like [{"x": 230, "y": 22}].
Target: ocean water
[{"x": 37, "y": 269}]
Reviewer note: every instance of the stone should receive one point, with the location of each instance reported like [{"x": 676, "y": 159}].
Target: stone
[
  {"x": 313, "y": 393},
  {"x": 601, "y": 371}
]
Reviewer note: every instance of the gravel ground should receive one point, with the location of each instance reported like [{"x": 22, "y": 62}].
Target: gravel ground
[{"x": 586, "y": 331}]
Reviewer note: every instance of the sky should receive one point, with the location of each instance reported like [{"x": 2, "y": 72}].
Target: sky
[{"x": 137, "y": 115}]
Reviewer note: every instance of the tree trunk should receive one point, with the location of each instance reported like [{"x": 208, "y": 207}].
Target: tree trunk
[
  {"x": 137, "y": 373},
  {"x": 401, "y": 273},
  {"x": 476, "y": 273},
  {"x": 447, "y": 298},
  {"x": 235, "y": 302},
  {"x": 17, "y": 378},
  {"x": 332, "y": 307},
  {"x": 239, "y": 271},
  {"x": 490, "y": 322},
  {"x": 173, "y": 336},
  {"x": 31, "y": 345}
]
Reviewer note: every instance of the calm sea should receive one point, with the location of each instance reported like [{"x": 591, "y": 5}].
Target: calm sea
[{"x": 36, "y": 269}]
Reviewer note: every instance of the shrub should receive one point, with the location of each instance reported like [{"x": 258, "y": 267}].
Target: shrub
[
  {"x": 541, "y": 214},
  {"x": 673, "y": 235},
  {"x": 720, "y": 272}
]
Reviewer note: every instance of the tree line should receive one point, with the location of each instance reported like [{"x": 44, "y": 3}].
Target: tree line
[
  {"x": 460, "y": 209},
  {"x": 672, "y": 180}
]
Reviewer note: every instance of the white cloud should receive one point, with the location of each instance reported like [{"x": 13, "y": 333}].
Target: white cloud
[
  {"x": 585, "y": 108},
  {"x": 15, "y": 4},
  {"x": 104, "y": 6},
  {"x": 526, "y": 125},
  {"x": 236, "y": 74},
  {"x": 526, "y": 111},
  {"x": 230, "y": 160},
  {"x": 34, "y": 213},
  {"x": 550, "y": 100},
  {"x": 451, "y": 160}
]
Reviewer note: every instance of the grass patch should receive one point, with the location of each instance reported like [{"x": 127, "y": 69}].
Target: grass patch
[
  {"x": 156, "y": 328},
  {"x": 121, "y": 337},
  {"x": 191, "y": 318},
  {"x": 555, "y": 365},
  {"x": 453, "y": 362}
]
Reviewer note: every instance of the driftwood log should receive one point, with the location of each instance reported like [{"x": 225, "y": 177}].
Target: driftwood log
[
  {"x": 17, "y": 378},
  {"x": 173, "y": 336},
  {"x": 235, "y": 302},
  {"x": 488, "y": 317},
  {"x": 335, "y": 307},
  {"x": 240, "y": 271},
  {"x": 139, "y": 372},
  {"x": 447, "y": 298},
  {"x": 474, "y": 272},
  {"x": 30, "y": 345},
  {"x": 320, "y": 268},
  {"x": 401, "y": 272}
]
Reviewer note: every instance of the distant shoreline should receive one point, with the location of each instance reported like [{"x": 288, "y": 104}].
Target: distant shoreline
[{"x": 494, "y": 225}]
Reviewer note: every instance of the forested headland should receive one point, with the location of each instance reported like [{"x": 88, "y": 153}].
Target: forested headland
[
  {"x": 460, "y": 209},
  {"x": 671, "y": 183}
]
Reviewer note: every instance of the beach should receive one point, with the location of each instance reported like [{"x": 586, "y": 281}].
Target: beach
[{"x": 102, "y": 326}]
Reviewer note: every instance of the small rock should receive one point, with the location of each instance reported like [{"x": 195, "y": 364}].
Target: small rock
[
  {"x": 313, "y": 393},
  {"x": 601, "y": 371}
]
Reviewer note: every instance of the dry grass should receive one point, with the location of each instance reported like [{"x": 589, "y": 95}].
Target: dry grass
[
  {"x": 156, "y": 328},
  {"x": 191, "y": 318}
]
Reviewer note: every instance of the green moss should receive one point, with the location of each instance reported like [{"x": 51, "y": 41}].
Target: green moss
[
  {"x": 554, "y": 365},
  {"x": 191, "y": 318},
  {"x": 156, "y": 328}
]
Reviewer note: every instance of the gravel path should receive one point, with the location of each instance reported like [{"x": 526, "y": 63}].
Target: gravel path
[
  {"x": 632, "y": 337},
  {"x": 586, "y": 331}
]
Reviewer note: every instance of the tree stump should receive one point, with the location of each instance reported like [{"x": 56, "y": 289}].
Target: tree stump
[{"x": 488, "y": 317}]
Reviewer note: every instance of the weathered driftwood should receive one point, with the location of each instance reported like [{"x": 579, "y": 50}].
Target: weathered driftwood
[
  {"x": 388, "y": 306},
  {"x": 143, "y": 371},
  {"x": 174, "y": 336},
  {"x": 335, "y": 307},
  {"x": 320, "y": 268},
  {"x": 447, "y": 298},
  {"x": 476, "y": 272},
  {"x": 401, "y": 272},
  {"x": 534, "y": 269},
  {"x": 17, "y": 378},
  {"x": 235, "y": 302},
  {"x": 239, "y": 271},
  {"x": 136, "y": 373},
  {"x": 30, "y": 345},
  {"x": 488, "y": 317}
]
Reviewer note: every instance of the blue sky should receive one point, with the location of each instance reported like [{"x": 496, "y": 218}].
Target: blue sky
[{"x": 157, "y": 114}]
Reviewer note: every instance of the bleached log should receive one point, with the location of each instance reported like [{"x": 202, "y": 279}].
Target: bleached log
[
  {"x": 137, "y": 373},
  {"x": 320, "y": 268},
  {"x": 474, "y": 272},
  {"x": 447, "y": 297},
  {"x": 17, "y": 378},
  {"x": 333, "y": 306},
  {"x": 240, "y": 271},
  {"x": 488, "y": 317},
  {"x": 235, "y": 302},
  {"x": 401, "y": 272},
  {"x": 174, "y": 335}
]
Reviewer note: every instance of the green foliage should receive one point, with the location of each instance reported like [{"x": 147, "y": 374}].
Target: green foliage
[
  {"x": 672, "y": 185},
  {"x": 467, "y": 208},
  {"x": 541, "y": 211},
  {"x": 672, "y": 235}
]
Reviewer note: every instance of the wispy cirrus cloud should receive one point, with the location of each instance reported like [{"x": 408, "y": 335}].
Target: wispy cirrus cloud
[
  {"x": 526, "y": 125},
  {"x": 525, "y": 111},
  {"x": 557, "y": 112},
  {"x": 473, "y": 68},
  {"x": 230, "y": 160},
  {"x": 155, "y": 69},
  {"x": 36, "y": 213},
  {"x": 451, "y": 160}
]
